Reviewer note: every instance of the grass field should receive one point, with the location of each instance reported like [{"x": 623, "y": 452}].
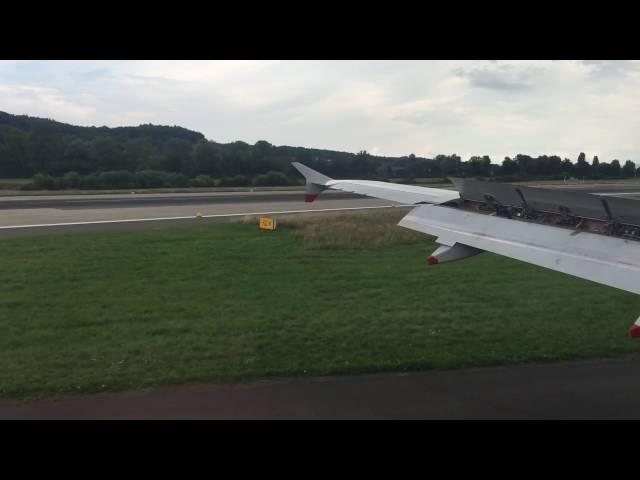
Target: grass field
[{"x": 321, "y": 295}]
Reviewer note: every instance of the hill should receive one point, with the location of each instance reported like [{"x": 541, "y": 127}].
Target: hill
[{"x": 59, "y": 155}]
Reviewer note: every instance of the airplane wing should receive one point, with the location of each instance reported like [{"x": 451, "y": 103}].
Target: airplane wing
[
  {"x": 405, "y": 194},
  {"x": 588, "y": 236}
]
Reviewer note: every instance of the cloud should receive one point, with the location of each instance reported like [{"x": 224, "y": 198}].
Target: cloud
[
  {"x": 611, "y": 68},
  {"x": 503, "y": 78},
  {"x": 47, "y": 102},
  {"x": 398, "y": 107}
]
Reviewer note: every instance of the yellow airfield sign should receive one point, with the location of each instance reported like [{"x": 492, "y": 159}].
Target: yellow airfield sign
[{"x": 267, "y": 223}]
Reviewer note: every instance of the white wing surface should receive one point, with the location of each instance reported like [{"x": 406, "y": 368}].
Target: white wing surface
[
  {"x": 405, "y": 194},
  {"x": 608, "y": 260}
]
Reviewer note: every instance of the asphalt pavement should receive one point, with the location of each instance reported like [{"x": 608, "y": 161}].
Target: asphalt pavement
[{"x": 605, "y": 389}]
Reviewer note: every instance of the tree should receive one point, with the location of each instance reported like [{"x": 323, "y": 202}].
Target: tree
[
  {"x": 177, "y": 155},
  {"x": 203, "y": 181},
  {"x": 567, "y": 167},
  {"x": 595, "y": 166},
  {"x": 361, "y": 164},
  {"x": 582, "y": 167},
  {"x": 262, "y": 148},
  {"x": 411, "y": 166},
  {"x": 509, "y": 167},
  {"x": 449, "y": 164},
  {"x": 554, "y": 165},
  {"x": 72, "y": 180},
  {"x": 629, "y": 169},
  {"x": 13, "y": 155},
  {"x": 479, "y": 166},
  {"x": 616, "y": 170},
  {"x": 106, "y": 153},
  {"x": 271, "y": 179},
  {"x": 525, "y": 164},
  {"x": 206, "y": 158},
  {"x": 78, "y": 157},
  {"x": 137, "y": 153}
]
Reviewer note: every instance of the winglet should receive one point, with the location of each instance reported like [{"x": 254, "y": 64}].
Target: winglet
[
  {"x": 311, "y": 175},
  {"x": 316, "y": 182}
]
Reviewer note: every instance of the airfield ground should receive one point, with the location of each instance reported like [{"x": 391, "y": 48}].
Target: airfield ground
[{"x": 341, "y": 294}]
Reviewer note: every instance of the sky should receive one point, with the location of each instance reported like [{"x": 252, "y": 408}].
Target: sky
[{"x": 393, "y": 108}]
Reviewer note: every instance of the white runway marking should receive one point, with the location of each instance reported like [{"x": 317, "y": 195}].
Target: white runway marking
[
  {"x": 194, "y": 217},
  {"x": 621, "y": 194}
]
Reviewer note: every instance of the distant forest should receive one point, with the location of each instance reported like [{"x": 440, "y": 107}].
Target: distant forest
[{"x": 57, "y": 155}]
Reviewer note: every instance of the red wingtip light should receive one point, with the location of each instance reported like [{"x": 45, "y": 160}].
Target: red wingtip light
[
  {"x": 431, "y": 260},
  {"x": 634, "y": 331},
  {"x": 310, "y": 197}
]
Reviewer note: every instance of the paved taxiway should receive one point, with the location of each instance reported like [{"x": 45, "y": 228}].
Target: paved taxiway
[{"x": 577, "y": 390}]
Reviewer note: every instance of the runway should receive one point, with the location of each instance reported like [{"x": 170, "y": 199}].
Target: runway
[
  {"x": 138, "y": 200},
  {"x": 92, "y": 213},
  {"x": 49, "y": 214},
  {"x": 573, "y": 390},
  {"x": 609, "y": 189}
]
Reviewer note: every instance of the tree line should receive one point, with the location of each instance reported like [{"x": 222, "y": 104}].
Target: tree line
[{"x": 58, "y": 155}]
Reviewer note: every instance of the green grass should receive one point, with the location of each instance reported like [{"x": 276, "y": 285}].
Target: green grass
[{"x": 121, "y": 310}]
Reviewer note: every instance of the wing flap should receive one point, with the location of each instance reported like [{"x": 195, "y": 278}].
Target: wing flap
[{"x": 607, "y": 260}]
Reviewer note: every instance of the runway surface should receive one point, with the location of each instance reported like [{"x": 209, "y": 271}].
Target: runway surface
[
  {"x": 38, "y": 215},
  {"x": 610, "y": 189},
  {"x": 120, "y": 200},
  {"x": 578, "y": 390},
  {"x": 79, "y": 213}
]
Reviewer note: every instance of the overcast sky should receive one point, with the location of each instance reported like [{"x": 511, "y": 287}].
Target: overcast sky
[{"x": 495, "y": 108}]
